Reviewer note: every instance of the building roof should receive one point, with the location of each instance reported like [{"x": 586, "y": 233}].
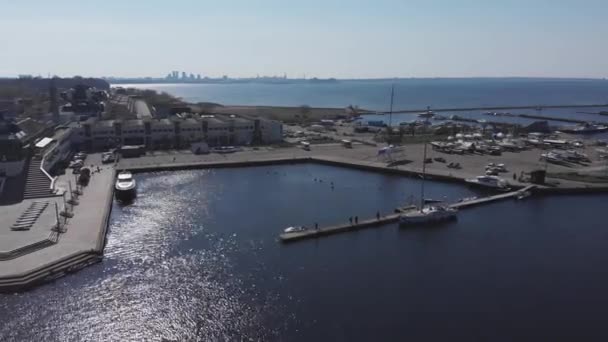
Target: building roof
[{"x": 44, "y": 142}]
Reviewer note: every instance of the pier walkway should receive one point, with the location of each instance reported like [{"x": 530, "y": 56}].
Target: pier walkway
[
  {"x": 376, "y": 222},
  {"x": 484, "y": 200},
  {"x": 340, "y": 228},
  {"x": 469, "y": 109}
]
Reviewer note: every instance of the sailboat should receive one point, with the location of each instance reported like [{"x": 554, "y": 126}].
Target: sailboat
[{"x": 426, "y": 214}]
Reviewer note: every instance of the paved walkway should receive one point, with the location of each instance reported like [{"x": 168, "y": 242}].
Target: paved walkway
[{"x": 85, "y": 231}]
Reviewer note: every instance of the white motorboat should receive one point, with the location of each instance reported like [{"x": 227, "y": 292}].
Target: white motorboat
[
  {"x": 524, "y": 195},
  {"x": 294, "y": 229},
  {"x": 489, "y": 182},
  {"x": 125, "y": 187}
]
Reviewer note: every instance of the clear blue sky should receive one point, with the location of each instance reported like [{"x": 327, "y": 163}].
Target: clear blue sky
[{"x": 324, "y": 38}]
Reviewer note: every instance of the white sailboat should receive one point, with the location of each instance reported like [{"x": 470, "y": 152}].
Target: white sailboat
[{"x": 426, "y": 214}]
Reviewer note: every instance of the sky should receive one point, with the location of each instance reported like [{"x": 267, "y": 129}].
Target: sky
[{"x": 316, "y": 38}]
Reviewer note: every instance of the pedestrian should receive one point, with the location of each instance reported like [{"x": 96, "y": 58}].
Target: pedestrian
[
  {"x": 356, "y": 219},
  {"x": 378, "y": 215},
  {"x": 316, "y": 226},
  {"x": 514, "y": 176},
  {"x": 350, "y": 219}
]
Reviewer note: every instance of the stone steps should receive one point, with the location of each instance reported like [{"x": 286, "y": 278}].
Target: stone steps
[
  {"x": 37, "y": 184},
  {"x": 50, "y": 272}
]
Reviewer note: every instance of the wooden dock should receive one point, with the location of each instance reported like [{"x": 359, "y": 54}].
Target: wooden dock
[{"x": 375, "y": 222}]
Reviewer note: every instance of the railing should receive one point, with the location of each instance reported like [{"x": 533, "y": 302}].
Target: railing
[{"x": 52, "y": 187}]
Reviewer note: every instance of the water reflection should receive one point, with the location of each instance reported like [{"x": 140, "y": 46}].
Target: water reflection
[{"x": 196, "y": 255}]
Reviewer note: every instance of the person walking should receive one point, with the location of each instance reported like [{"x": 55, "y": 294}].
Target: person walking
[
  {"x": 316, "y": 226},
  {"x": 378, "y": 215},
  {"x": 356, "y": 219},
  {"x": 350, "y": 219}
]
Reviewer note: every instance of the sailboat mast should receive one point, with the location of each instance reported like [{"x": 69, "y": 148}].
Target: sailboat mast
[
  {"x": 423, "y": 177},
  {"x": 390, "y": 113}
]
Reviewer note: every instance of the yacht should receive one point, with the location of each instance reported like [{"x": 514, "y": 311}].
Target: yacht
[
  {"x": 426, "y": 115},
  {"x": 490, "y": 182},
  {"x": 585, "y": 128},
  {"x": 125, "y": 187},
  {"x": 426, "y": 214}
]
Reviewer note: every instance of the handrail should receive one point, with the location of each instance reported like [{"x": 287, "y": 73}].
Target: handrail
[{"x": 52, "y": 187}]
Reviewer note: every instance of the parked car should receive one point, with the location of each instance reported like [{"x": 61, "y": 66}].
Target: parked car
[
  {"x": 107, "y": 157},
  {"x": 76, "y": 164}
]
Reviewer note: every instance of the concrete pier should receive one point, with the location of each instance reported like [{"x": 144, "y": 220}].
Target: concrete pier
[
  {"x": 41, "y": 254},
  {"x": 375, "y": 222},
  {"x": 340, "y": 228},
  {"x": 469, "y": 109},
  {"x": 489, "y": 199}
]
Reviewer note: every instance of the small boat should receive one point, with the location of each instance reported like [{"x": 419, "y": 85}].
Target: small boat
[
  {"x": 489, "y": 182},
  {"x": 523, "y": 195},
  {"x": 225, "y": 149},
  {"x": 125, "y": 187},
  {"x": 467, "y": 199},
  {"x": 585, "y": 128},
  {"x": 427, "y": 114},
  {"x": 294, "y": 229},
  {"x": 428, "y": 215}
]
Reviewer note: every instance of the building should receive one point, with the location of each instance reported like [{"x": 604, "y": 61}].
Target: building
[
  {"x": 12, "y": 149},
  {"x": 179, "y": 131}
]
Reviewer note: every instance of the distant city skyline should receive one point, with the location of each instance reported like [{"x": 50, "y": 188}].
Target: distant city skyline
[{"x": 324, "y": 39}]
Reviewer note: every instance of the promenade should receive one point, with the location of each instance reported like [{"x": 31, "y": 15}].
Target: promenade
[{"x": 80, "y": 243}]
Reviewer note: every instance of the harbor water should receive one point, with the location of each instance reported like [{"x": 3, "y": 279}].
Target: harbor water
[{"x": 197, "y": 255}]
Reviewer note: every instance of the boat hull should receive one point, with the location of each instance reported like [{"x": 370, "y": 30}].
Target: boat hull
[
  {"x": 421, "y": 219},
  {"x": 125, "y": 195}
]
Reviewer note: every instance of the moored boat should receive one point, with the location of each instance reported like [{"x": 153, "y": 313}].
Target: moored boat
[
  {"x": 125, "y": 187},
  {"x": 428, "y": 215},
  {"x": 585, "y": 128},
  {"x": 489, "y": 182},
  {"x": 294, "y": 229}
]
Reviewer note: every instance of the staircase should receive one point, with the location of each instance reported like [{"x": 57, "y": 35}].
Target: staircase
[{"x": 37, "y": 184}]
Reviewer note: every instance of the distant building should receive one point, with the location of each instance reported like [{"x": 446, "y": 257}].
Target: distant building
[
  {"x": 177, "y": 132},
  {"x": 9, "y": 108}
]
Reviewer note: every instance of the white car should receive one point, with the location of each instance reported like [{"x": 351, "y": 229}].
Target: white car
[{"x": 76, "y": 164}]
